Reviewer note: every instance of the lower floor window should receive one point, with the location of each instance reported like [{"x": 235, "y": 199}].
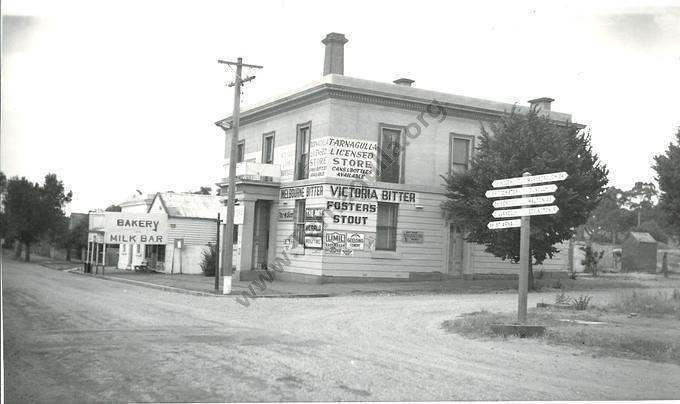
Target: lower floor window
[
  {"x": 386, "y": 230},
  {"x": 155, "y": 252},
  {"x": 299, "y": 231}
]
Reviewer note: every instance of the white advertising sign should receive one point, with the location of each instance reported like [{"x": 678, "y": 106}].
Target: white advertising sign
[
  {"x": 238, "y": 214},
  {"x": 532, "y": 200},
  {"x": 504, "y": 224},
  {"x": 539, "y": 189},
  {"x": 333, "y": 156},
  {"x": 533, "y": 179},
  {"x": 355, "y": 241},
  {"x": 539, "y": 210},
  {"x": 135, "y": 228}
]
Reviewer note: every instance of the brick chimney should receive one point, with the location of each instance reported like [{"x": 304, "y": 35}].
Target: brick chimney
[
  {"x": 334, "y": 61},
  {"x": 542, "y": 104}
]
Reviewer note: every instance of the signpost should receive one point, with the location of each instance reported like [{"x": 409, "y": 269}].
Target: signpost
[
  {"x": 540, "y": 210},
  {"x": 539, "y": 189},
  {"x": 533, "y": 200},
  {"x": 504, "y": 224},
  {"x": 524, "y": 212}
]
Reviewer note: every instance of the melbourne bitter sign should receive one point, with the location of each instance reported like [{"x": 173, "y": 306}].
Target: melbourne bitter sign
[{"x": 135, "y": 228}]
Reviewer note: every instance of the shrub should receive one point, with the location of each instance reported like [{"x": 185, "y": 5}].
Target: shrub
[
  {"x": 581, "y": 302},
  {"x": 209, "y": 261},
  {"x": 562, "y": 298},
  {"x": 591, "y": 259}
]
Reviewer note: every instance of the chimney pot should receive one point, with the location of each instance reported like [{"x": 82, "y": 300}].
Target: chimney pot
[
  {"x": 334, "y": 60},
  {"x": 542, "y": 103},
  {"x": 404, "y": 82}
]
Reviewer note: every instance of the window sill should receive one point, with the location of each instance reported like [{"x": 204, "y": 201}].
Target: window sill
[
  {"x": 386, "y": 255},
  {"x": 297, "y": 251}
]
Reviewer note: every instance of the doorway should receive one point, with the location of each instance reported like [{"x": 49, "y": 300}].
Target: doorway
[
  {"x": 456, "y": 243},
  {"x": 261, "y": 234}
]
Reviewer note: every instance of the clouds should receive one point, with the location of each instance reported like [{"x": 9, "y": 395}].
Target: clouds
[{"x": 644, "y": 29}]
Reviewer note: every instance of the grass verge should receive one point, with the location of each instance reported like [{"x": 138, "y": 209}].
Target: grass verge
[{"x": 639, "y": 325}]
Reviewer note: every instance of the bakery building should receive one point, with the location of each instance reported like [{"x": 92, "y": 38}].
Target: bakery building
[
  {"x": 191, "y": 228},
  {"x": 342, "y": 177}
]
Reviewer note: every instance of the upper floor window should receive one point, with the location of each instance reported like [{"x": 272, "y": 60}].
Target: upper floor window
[
  {"x": 268, "y": 148},
  {"x": 390, "y": 155},
  {"x": 461, "y": 147},
  {"x": 304, "y": 133},
  {"x": 240, "y": 151}
]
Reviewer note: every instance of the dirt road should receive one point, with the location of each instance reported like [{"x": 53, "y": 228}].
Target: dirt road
[{"x": 71, "y": 338}]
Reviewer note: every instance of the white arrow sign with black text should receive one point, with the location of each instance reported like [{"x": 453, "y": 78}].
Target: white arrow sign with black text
[
  {"x": 536, "y": 211},
  {"x": 533, "y": 179},
  {"x": 539, "y": 189},
  {"x": 532, "y": 200},
  {"x": 504, "y": 224}
]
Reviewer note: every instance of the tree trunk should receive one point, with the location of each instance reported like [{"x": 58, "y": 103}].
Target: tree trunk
[
  {"x": 68, "y": 253},
  {"x": 664, "y": 265},
  {"x": 17, "y": 249},
  {"x": 531, "y": 274},
  {"x": 27, "y": 252}
]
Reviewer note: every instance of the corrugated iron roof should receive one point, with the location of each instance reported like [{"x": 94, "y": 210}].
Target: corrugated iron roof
[
  {"x": 642, "y": 237},
  {"x": 190, "y": 205}
]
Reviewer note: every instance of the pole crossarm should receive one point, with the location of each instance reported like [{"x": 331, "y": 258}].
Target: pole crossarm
[{"x": 228, "y": 62}]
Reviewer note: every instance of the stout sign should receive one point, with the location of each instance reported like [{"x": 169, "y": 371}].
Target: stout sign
[{"x": 135, "y": 228}]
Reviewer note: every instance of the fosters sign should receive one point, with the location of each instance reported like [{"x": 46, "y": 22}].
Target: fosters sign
[{"x": 135, "y": 228}]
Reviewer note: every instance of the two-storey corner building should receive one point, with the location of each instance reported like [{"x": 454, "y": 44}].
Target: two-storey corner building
[{"x": 342, "y": 177}]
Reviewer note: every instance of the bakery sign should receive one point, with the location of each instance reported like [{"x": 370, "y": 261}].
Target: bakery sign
[{"x": 135, "y": 228}]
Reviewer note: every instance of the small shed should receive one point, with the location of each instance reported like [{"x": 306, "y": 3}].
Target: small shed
[{"x": 638, "y": 252}]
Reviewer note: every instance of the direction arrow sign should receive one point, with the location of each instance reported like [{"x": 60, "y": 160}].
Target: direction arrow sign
[
  {"x": 504, "y": 224},
  {"x": 532, "y": 200},
  {"x": 539, "y": 210},
  {"x": 539, "y": 189},
  {"x": 533, "y": 179}
]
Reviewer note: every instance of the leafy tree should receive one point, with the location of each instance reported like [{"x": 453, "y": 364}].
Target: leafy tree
[
  {"x": 4, "y": 233},
  {"x": 610, "y": 218},
  {"x": 33, "y": 210},
  {"x": 527, "y": 143},
  {"x": 654, "y": 229},
  {"x": 113, "y": 208},
  {"x": 667, "y": 167},
  {"x": 641, "y": 198},
  {"x": 77, "y": 236},
  {"x": 203, "y": 191}
]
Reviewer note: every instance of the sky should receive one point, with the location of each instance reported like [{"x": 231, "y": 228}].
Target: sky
[{"x": 118, "y": 96}]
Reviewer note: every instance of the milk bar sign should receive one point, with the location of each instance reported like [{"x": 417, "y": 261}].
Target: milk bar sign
[{"x": 135, "y": 228}]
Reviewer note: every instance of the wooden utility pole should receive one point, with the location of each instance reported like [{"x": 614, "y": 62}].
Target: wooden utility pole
[
  {"x": 227, "y": 252},
  {"x": 217, "y": 254}
]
